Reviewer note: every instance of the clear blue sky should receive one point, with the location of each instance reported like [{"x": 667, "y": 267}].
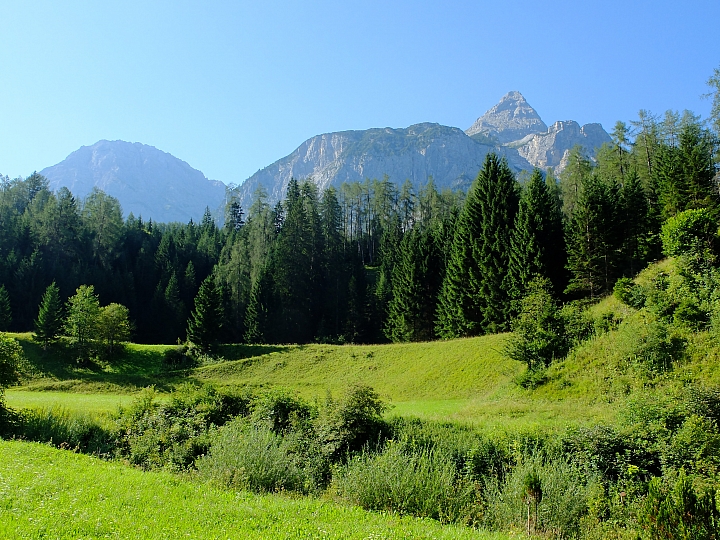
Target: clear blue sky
[{"x": 231, "y": 86}]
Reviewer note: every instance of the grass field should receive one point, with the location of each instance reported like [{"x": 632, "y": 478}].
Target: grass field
[
  {"x": 48, "y": 493},
  {"x": 71, "y": 401},
  {"x": 465, "y": 380}
]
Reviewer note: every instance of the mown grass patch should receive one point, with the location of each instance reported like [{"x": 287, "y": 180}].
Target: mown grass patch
[
  {"x": 52, "y": 493},
  {"x": 71, "y": 401}
]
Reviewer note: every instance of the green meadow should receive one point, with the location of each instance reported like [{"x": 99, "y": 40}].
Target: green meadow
[{"x": 49, "y": 493}]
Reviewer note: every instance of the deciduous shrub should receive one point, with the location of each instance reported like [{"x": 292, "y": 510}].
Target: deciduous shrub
[
  {"x": 352, "y": 422},
  {"x": 692, "y": 233},
  {"x": 629, "y": 293},
  {"x": 172, "y": 435}
]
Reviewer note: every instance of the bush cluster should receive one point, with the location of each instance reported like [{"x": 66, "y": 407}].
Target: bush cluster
[{"x": 650, "y": 473}]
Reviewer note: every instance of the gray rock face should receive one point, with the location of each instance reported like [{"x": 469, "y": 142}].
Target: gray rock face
[
  {"x": 551, "y": 149},
  {"x": 447, "y": 154},
  {"x": 147, "y": 182},
  {"x": 511, "y": 119}
]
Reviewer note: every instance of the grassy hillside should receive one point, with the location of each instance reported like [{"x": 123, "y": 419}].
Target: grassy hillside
[
  {"x": 52, "y": 493},
  {"x": 469, "y": 380}
]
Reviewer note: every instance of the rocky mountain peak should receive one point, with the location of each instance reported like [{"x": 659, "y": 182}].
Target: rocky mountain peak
[{"x": 510, "y": 120}]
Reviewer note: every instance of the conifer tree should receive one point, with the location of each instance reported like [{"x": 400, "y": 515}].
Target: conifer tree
[
  {"x": 416, "y": 282},
  {"x": 537, "y": 247},
  {"x": 206, "y": 319},
  {"x": 594, "y": 238},
  {"x": 639, "y": 245},
  {"x": 259, "y": 308},
  {"x": 5, "y": 311},
  {"x": 474, "y": 299},
  {"x": 49, "y": 322}
]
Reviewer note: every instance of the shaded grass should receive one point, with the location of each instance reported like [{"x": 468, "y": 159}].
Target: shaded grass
[
  {"x": 59, "y": 494},
  {"x": 135, "y": 366}
]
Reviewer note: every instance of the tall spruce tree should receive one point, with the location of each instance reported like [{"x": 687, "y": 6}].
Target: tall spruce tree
[
  {"x": 49, "y": 322},
  {"x": 474, "y": 299},
  {"x": 594, "y": 238},
  {"x": 537, "y": 246},
  {"x": 205, "y": 322},
  {"x": 416, "y": 281}
]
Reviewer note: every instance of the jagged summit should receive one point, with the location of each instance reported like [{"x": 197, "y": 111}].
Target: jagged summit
[{"x": 510, "y": 120}]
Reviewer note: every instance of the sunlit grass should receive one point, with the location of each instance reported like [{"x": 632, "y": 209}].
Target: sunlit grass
[
  {"x": 58, "y": 494},
  {"x": 71, "y": 401}
]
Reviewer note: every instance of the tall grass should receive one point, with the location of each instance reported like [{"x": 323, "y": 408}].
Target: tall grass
[{"x": 422, "y": 483}]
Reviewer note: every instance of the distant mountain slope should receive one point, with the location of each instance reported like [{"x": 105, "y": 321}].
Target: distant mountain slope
[
  {"x": 512, "y": 129},
  {"x": 551, "y": 149},
  {"x": 448, "y": 155},
  {"x": 148, "y": 182}
]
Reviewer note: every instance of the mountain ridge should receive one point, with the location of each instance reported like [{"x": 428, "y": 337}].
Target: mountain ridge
[{"x": 147, "y": 181}]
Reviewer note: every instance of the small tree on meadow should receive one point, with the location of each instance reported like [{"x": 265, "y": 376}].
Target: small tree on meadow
[
  {"x": 82, "y": 322},
  {"x": 11, "y": 355},
  {"x": 49, "y": 323},
  {"x": 114, "y": 326}
]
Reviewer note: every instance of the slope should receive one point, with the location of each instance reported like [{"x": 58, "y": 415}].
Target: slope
[{"x": 148, "y": 182}]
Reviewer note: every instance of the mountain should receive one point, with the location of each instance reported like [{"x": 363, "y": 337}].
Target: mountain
[
  {"x": 551, "y": 149},
  {"x": 512, "y": 129},
  {"x": 446, "y": 153},
  {"x": 148, "y": 182},
  {"x": 511, "y": 119}
]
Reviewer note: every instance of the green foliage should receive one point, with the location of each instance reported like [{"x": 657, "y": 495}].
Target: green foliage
[
  {"x": 205, "y": 322},
  {"x": 280, "y": 410},
  {"x": 474, "y": 298},
  {"x": 11, "y": 355},
  {"x": 83, "y": 316},
  {"x": 416, "y": 280},
  {"x": 594, "y": 238},
  {"x": 537, "y": 245},
  {"x": 177, "y": 358},
  {"x": 539, "y": 331},
  {"x": 67, "y": 430},
  {"x": 173, "y": 434},
  {"x": 352, "y": 422},
  {"x": 677, "y": 510},
  {"x": 692, "y": 234},
  {"x": 566, "y": 494},
  {"x": 629, "y": 293},
  {"x": 114, "y": 326},
  {"x": 5, "y": 311},
  {"x": 84, "y": 497},
  {"x": 422, "y": 483},
  {"x": 659, "y": 348},
  {"x": 49, "y": 321}
]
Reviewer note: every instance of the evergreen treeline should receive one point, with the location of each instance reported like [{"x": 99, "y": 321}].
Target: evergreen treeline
[{"x": 367, "y": 262}]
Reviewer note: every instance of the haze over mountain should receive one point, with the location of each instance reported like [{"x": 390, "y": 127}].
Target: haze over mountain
[
  {"x": 512, "y": 129},
  {"x": 148, "y": 182},
  {"x": 154, "y": 184}
]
